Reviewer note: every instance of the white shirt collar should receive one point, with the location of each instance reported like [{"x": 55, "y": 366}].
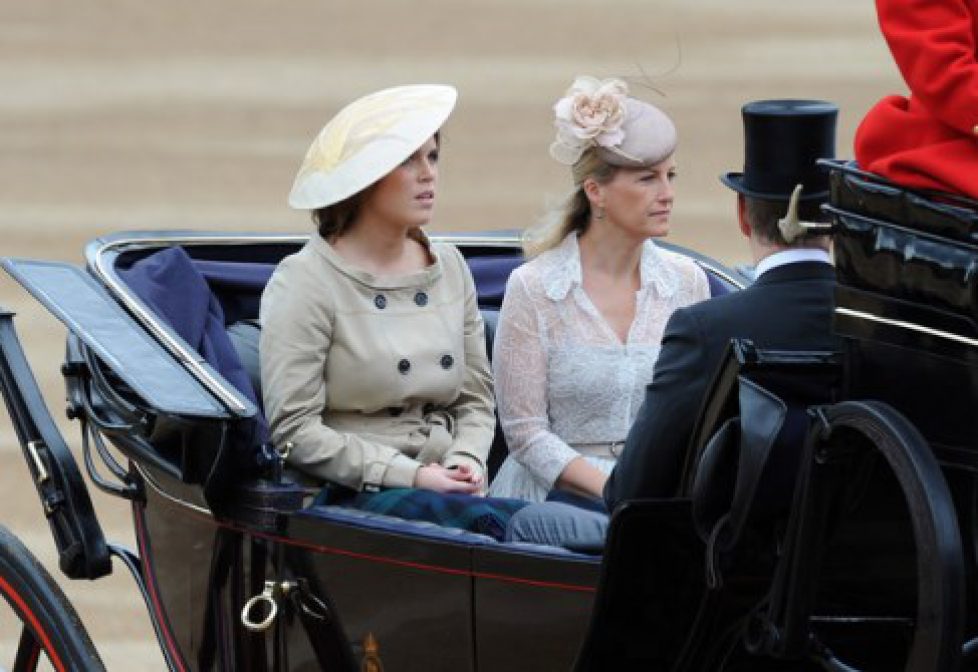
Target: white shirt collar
[
  {"x": 790, "y": 257},
  {"x": 564, "y": 269}
]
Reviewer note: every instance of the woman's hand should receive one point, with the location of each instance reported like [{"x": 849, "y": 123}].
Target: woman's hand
[
  {"x": 460, "y": 479},
  {"x": 467, "y": 473},
  {"x": 582, "y": 477}
]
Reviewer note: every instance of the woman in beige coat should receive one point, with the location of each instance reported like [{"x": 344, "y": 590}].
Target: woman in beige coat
[{"x": 373, "y": 360}]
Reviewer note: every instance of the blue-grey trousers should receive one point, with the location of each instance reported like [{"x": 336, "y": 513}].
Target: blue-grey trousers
[{"x": 559, "y": 524}]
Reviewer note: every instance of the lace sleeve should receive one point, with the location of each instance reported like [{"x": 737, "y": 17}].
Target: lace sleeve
[{"x": 520, "y": 369}]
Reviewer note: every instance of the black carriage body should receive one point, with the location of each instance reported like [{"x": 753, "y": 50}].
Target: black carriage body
[
  {"x": 216, "y": 528},
  {"x": 907, "y": 307},
  {"x": 908, "y": 294},
  {"x": 428, "y": 599}
]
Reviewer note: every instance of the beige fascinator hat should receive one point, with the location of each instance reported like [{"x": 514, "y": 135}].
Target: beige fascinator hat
[
  {"x": 368, "y": 139},
  {"x": 626, "y": 132}
]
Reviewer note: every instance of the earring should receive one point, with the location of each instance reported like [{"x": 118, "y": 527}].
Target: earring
[{"x": 599, "y": 213}]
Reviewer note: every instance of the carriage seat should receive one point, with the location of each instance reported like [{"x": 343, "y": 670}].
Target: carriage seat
[
  {"x": 230, "y": 291},
  {"x": 422, "y": 529},
  {"x": 244, "y": 336}
]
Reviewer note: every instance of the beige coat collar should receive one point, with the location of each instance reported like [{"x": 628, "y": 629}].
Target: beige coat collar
[{"x": 423, "y": 278}]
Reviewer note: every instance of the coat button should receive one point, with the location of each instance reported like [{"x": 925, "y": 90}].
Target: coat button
[
  {"x": 421, "y": 299},
  {"x": 447, "y": 361},
  {"x": 404, "y": 366},
  {"x": 380, "y": 301}
]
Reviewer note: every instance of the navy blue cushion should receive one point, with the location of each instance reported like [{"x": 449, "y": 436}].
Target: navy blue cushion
[
  {"x": 491, "y": 274},
  {"x": 237, "y": 285},
  {"x": 169, "y": 283}
]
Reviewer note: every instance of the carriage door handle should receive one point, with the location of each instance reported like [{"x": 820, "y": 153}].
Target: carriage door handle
[
  {"x": 270, "y": 597},
  {"x": 274, "y": 591}
]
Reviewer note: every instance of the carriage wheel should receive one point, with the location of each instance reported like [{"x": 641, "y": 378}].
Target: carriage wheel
[
  {"x": 890, "y": 587},
  {"x": 39, "y": 630}
]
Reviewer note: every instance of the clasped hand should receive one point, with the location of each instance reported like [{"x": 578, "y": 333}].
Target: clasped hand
[{"x": 461, "y": 479}]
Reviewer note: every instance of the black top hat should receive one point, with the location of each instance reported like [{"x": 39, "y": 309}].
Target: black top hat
[{"x": 782, "y": 141}]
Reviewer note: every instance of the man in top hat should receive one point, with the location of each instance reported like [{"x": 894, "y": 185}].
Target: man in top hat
[{"x": 789, "y": 306}]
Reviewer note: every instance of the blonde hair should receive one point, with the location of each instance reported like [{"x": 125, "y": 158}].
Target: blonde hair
[{"x": 574, "y": 212}]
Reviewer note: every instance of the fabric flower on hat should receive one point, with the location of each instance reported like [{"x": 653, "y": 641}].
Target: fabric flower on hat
[{"x": 590, "y": 114}]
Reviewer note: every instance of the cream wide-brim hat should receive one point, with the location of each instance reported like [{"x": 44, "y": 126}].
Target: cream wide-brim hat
[{"x": 366, "y": 140}]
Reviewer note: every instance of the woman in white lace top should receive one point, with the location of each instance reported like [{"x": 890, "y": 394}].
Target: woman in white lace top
[{"x": 581, "y": 322}]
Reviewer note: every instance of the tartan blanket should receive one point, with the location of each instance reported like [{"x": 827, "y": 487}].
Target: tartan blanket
[{"x": 485, "y": 515}]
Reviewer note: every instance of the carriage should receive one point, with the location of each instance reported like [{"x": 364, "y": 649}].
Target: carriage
[{"x": 862, "y": 557}]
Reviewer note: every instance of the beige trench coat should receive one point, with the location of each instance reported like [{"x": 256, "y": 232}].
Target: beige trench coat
[{"x": 366, "y": 378}]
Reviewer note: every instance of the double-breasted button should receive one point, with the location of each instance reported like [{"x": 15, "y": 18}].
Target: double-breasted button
[
  {"x": 447, "y": 361},
  {"x": 421, "y": 299},
  {"x": 404, "y": 366},
  {"x": 380, "y": 301}
]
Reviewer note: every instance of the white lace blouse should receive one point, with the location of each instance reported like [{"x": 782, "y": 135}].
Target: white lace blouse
[{"x": 565, "y": 383}]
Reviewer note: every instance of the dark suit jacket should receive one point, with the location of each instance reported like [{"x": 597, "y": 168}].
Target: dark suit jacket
[{"x": 789, "y": 307}]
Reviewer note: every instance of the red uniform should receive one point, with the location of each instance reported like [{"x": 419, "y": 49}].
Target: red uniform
[{"x": 929, "y": 141}]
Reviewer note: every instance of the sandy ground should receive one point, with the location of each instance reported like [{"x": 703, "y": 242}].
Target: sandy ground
[{"x": 126, "y": 114}]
